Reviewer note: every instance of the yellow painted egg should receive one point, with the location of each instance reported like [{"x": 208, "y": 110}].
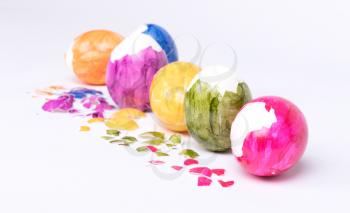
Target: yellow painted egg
[
  {"x": 89, "y": 54},
  {"x": 168, "y": 91}
]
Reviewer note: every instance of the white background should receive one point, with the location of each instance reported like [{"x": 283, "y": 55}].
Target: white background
[{"x": 297, "y": 49}]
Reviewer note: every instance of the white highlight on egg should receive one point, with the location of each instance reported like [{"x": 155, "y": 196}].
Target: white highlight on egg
[
  {"x": 70, "y": 56},
  {"x": 134, "y": 43},
  {"x": 220, "y": 77},
  {"x": 252, "y": 117}
]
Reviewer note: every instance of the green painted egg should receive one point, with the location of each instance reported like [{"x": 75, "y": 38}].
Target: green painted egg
[{"x": 212, "y": 102}]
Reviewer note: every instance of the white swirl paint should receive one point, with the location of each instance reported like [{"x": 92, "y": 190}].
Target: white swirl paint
[
  {"x": 252, "y": 117},
  {"x": 134, "y": 43},
  {"x": 219, "y": 77}
]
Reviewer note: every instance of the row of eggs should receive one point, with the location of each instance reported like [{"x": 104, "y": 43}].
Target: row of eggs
[{"x": 268, "y": 135}]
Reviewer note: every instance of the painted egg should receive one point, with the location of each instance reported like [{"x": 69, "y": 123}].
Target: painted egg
[
  {"x": 134, "y": 62},
  {"x": 164, "y": 39},
  {"x": 167, "y": 94},
  {"x": 89, "y": 54},
  {"x": 269, "y": 136},
  {"x": 212, "y": 102}
]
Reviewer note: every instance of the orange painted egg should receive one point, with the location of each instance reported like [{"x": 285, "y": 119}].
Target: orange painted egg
[{"x": 89, "y": 54}]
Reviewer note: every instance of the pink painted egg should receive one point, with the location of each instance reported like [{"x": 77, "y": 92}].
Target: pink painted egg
[{"x": 268, "y": 136}]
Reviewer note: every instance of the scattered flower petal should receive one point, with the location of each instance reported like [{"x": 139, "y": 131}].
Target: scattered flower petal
[
  {"x": 190, "y": 161},
  {"x": 189, "y": 153},
  {"x": 155, "y": 142},
  {"x": 116, "y": 141},
  {"x": 129, "y": 138},
  {"x": 142, "y": 149},
  {"x": 201, "y": 171},
  {"x": 99, "y": 104},
  {"x": 95, "y": 120},
  {"x": 203, "y": 181},
  {"x": 130, "y": 113},
  {"x": 113, "y": 132},
  {"x": 218, "y": 172},
  {"x": 126, "y": 140},
  {"x": 226, "y": 183},
  {"x": 121, "y": 124},
  {"x": 84, "y": 128},
  {"x": 50, "y": 91},
  {"x": 156, "y": 162},
  {"x": 161, "y": 154},
  {"x": 175, "y": 139},
  {"x": 56, "y": 87},
  {"x": 61, "y": 104},
  {"x": 83, "y": 92},
  {"x": 124, "y": 144},
  {"x": 152, "y": 148},
  {"x": 152, "y": 135},
  {"x": 73, "y": 111},
  {"x": 44, "y": 93},
  {"x": 177, "y": 168},
  {"x": 107, "y": 137},
  {"x": 85, "y": 100},
  {"x": 91, "y": 103}
]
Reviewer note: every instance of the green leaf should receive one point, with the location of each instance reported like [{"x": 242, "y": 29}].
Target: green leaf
[
  {"x": 107, "y": 137},
  {"x": 129, "y": 138},
  {"x": 189, "y": 153},
  {"x": 142, "y": 149},
  {"x": 152, "y": 135},
  {"x": 116, "y": 141},
  {"x": 126, "y": 140},
  {"x": 170, "y": 145},
  {"x": 161, "y": 154},
  {"x": 113, "y": 132},
  {"x": 175, "y": 139},
  {"x": 124, "y": 144},
  {"x": 155, "y": 142}
]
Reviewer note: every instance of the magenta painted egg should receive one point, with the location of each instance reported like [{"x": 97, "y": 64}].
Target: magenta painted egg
[
  {"x": 134, "y": 62},
  {"x": 268, "y": 136}
]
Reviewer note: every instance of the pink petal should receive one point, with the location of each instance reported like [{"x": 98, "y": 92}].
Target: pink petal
[
  {"x": 73, "y": 111},
  {"x": 87, "y": 105},
  {"x": 201, "y": 171},
  {"x": 188, "y": 162},
  {"x": 177, "y": 168},
  {"x": 226, "y": 183},
  {"x": 156, "y": 162},
  {"x": 218, "y": 172},
  {"x": 61, "y": 104},
  {"x": 203, "y": 181},
  {"x": 152, "y": 148}
]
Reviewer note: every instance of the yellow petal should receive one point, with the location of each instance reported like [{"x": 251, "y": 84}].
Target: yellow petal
[
  {"x": 94, "y": 120},
  {"x": 121, "y": 124},
  {"x": 84, "y": 128},
  {"x": 130, "y": 113},
  {"x": 55, "y": 87}
]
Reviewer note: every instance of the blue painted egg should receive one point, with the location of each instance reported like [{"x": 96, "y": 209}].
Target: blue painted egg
[{"x": 164, "y": 39}]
